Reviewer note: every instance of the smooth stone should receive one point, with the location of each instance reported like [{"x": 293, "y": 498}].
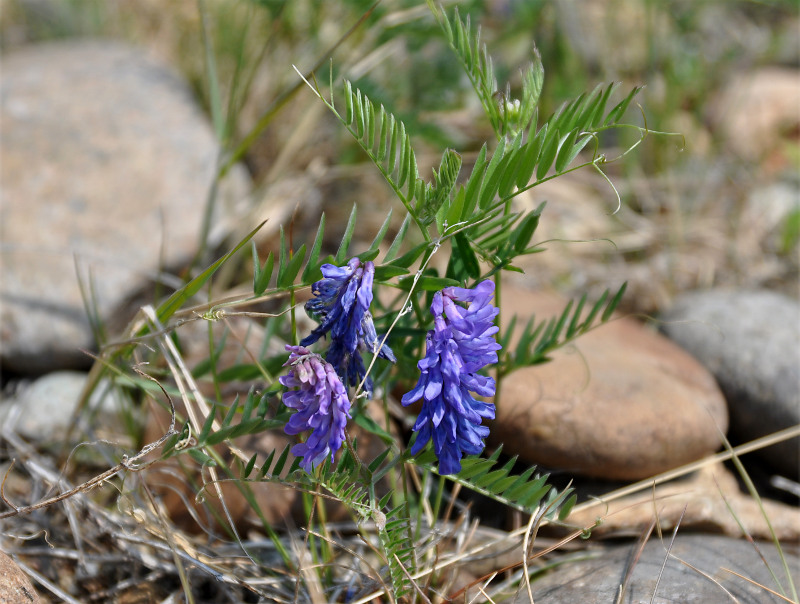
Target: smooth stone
[
  {"x": 622, "y": 402},
  {"x": 107, "y": 164},
  {"x": 660, "y": 575},
  {"x": 47, "y": 405},
  {"x": 750, "y": 341},
  {"x": 709, "y": 500},
  {"x": 15, "y": 587},
  {"x": 757, "y": 112}
]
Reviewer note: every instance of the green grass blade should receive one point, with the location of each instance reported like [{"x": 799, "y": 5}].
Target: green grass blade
[
  {"x": 180, "y": 297},
  {"x": 341, "y": 253},
  {"x": 311, "y": 270}
]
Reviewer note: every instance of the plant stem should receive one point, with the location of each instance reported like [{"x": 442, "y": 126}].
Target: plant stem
[
  {"x": 497, "y": 300},
  {"x": 293, "y": 318}
]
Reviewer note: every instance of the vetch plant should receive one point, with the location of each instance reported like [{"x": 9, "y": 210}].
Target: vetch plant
[{"x": 375, "y": 343}]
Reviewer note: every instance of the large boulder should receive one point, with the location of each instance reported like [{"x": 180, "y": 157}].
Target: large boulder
[{"x": 107, "y": 166}]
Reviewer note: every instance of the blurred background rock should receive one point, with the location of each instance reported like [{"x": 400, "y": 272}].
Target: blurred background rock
[{"x": 719, "y": 206}]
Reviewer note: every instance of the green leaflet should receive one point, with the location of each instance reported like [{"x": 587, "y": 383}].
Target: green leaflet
[
  {"x": 475, "y": 60},
  {"x": 370, "y": 425},
  {"x": 463, "y": 260},
  {"x": 381, "y": 232},
  {"x": 261, "y": 275},
  {"x": 437, "y": 198},
  {"x": 341, "y": 253},
  {"x": 427, "y": 283},
  {"x": 394, "y": 248},
  {"x": 180, "y": 297},
  {"x": 521, "y": 237},
  {"x": 292, "y": 266},
  {"x": 398, "y": 549},
  {"x": 311, "y": 272},
  {"x": 499, "y": 483},
  {"x": 536, "y": 343}
]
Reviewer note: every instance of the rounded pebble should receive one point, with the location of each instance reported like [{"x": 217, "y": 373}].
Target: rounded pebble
[
  {"x": 750, "y": 341},
  {"x": 622, "y": 402}
]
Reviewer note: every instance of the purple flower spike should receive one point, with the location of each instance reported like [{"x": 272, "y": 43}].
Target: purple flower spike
[
  {"x": 459, "y": 345},
  {"x": 341, "y": 304},
  {"x": 321, "y": 402}
]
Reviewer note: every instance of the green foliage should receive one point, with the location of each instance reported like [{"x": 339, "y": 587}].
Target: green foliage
[
  {"x": 536, "y": 343},
  {"x": 261, "y": 274},
  {"x": 476, "y": 219},
  {"x": 476, "y": 61},
  {"x": 469, "y": 216},
  {"x": 399, "y": 549},
  {"x": 384, "y": 139},
  {"x": 524, "y": 492},
  {"x": 507, "y": 116},
  {"x": 238, "y": 421}
]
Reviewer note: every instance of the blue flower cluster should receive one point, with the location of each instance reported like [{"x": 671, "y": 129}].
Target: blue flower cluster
[
  {"x": 321, "y": 400},
  {"x": 341, "y": 304},
  {"x": 460, "y": 344}
]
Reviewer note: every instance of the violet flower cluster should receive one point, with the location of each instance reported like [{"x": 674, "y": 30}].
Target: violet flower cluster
[
  {"x": 460, "y": 344},
  {"x": 321, "y": 402},
  {"x": 341, "y": 304}
]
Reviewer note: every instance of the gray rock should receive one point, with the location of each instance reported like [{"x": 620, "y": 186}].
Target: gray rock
[
  {"x": 750, "y": 341},
  {"x": 43, "y": 410},
  {"x": 107, "y": 164},
  {"x": 660, "y": 575}
]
